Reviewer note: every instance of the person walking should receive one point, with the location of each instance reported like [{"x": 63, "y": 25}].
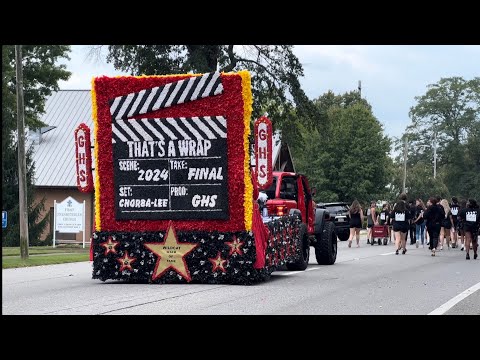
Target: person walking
[
  {"x": 433, "y": 217},
  {"x": 447, "y": 223},
  {"x": 419, "y": 222},
  {"x": 461, "y": 231},
  {"x": 356, "y": 220},
  {"x": 454, "y": 208},
  {"x": 412, "y": 229},
  {"x": 470, "y": 217},
  {"x": 438, "y": 198},
  {"x": 371, "y": 220},
  {"x": 400, "y": 217},
  {"x": 384, "y": 219}
]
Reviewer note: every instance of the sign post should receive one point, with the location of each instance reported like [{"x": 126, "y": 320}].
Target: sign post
[
  {"x": 69, "y": 217},
  {"x": 4, "y": 219}
]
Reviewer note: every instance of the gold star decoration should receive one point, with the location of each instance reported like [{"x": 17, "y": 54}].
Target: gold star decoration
[
  {"x": 235, "y": 245},
  {"x": 218, "y": 263},
  {"x": 110, "y": 246},
  {"x": 126, "y": 262},
  {"x": 171, "y": 254}
]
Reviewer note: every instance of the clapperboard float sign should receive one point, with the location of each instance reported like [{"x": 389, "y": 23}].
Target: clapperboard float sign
[{"x": 169, "y": 168}]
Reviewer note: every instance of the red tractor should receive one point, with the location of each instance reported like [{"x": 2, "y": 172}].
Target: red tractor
[{"x": 290, "y": 194}]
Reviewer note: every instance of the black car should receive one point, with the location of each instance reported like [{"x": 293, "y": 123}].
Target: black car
[{"x": 339, "y": 214}]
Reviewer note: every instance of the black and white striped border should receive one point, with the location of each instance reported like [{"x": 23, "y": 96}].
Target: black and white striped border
[
  {"x": 178, "y": 92},
  {"x": 182, "y": 128}
]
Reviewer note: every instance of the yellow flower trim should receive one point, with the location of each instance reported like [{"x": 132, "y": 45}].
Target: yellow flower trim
[
  {"x": 247, "y": 113},
  {"x": 95, "y": 150}
]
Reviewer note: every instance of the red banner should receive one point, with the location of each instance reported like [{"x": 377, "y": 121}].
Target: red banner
[
  {"x": 83, "y": 155},
  {"x": 263, "y": 152}
]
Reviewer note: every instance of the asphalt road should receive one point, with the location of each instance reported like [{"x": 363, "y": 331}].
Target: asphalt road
[{"x": 365, "y": 280}]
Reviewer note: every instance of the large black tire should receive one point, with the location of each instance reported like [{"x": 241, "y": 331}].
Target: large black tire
[
  {"x": 326, "y": 245},
  {"x": 343, "y": 236},
  {"x": 302, "y": 262}
]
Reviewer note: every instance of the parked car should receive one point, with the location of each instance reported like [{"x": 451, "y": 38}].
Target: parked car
[{"x": 339, "y": 214}]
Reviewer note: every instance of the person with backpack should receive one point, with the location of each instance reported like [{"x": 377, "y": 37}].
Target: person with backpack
[
  {"x": 471, "y": 218},
  {"x": 433, "y": 217},
  {"x": 400, "y": 217},
  {"x": 454, "y": 208},
  {"x": 419, "y": 222}
]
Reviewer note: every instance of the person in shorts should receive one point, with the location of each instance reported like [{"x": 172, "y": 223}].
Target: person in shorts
[
  {"x": 447, "y": 223},
  {"x": 454, "y": 208},
  {"x": 355, "y": 214},
  {"x": 471, "y": 221},
  {"x": 460, "y": 231},
  {"x": 401, "y": 216}
]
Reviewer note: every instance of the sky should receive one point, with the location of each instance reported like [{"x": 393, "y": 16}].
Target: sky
[{"x": 391, "y": 75}]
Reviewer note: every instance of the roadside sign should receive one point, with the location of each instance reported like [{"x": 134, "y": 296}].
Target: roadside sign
[{"x": 4, "y": 219}]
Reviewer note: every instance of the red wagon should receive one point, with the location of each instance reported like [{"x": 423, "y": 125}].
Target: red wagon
[{"x": 380, "y": 232}]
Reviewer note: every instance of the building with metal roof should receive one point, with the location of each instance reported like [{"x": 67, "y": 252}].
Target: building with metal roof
[{"x": 54, "y": 154}]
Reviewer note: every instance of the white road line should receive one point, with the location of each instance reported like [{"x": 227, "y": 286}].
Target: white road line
[
  {"x": 282, "y": 273},
  {"x": 452, "y": 302},
  {"x": 390, "y": 253}
]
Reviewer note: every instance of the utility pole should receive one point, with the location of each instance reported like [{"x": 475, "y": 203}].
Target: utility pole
[
  {"x": 435, "y": 155},
  {"x": 405, "y": 164},
  {"x": 22, "y": 168}
]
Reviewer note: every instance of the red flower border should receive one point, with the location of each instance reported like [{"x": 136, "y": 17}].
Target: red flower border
[{"x": 229, "y": 104}]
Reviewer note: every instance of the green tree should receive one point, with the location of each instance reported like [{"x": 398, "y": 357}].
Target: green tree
[
  {"x": 275, "y": 72},
  {"x": 420, "y": 182},
  {"x": 41, "y": 76},
  {"x": 346, "y": 157},
  {"x": 449, "y": 110}
]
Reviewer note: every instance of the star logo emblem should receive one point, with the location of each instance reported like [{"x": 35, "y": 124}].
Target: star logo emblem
[
  {"x": 171, "y": 254},
  {"x": 126, "y": 262},
  {"x": 235, "y": 246},
  {"x": 218, "y": 263},
  {"x": 110, "y": 246}
]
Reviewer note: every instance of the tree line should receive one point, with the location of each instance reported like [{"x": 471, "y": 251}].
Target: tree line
[{"x": 335, "y": 139}]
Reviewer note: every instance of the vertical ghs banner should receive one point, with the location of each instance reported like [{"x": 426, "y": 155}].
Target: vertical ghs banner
[
  {"x": 263, "y": 152},
  {"x": 83, "y": 158}
]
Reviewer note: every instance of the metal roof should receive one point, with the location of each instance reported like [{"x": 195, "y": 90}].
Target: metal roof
[{"x": 54, "y": 156}]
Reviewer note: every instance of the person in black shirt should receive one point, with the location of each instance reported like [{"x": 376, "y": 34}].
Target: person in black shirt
[
  {"x": 471, "y": 221},
  {"x": 400, "y": 217},
  {"x": 355, "y": 214},
  {"x": 461, "y": 232},
  {"x": 412, "y": 229},
  {"x": 454, "y": 208},
  {"x": 434, "y": 216},
  {"x": 419, "y": 222}
]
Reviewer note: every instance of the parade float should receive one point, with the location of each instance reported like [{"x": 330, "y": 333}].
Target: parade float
[{"x": 175, "y": 194}]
